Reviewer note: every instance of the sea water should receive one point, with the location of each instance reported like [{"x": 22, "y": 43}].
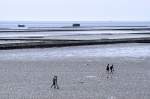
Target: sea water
[{"x": 14, "y": 24}]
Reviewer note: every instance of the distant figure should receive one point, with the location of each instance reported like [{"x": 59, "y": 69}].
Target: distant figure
[
  {"x": 112, "y": 68},
  {"x": 55, "y": 85},
  {"x": 107, "y": 68}
]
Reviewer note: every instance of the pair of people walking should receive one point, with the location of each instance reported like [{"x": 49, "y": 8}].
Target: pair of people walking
[
  {"x": 55, "y": 84},
  {"x": 110, "y": 68}
]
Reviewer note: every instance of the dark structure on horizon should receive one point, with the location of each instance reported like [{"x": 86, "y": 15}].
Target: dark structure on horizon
[
  {"x": 76, "y": 25},
  {"x": 21, "y": 25}
]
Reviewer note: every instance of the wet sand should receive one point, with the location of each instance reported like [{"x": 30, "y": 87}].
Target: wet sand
[
  {"x": 12, "y": 39},
  {"x": 27, "y": 73},
  {"x": 42, "y": 40}
]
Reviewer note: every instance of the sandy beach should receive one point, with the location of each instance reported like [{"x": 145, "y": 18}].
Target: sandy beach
[
  {"x": 75, "y": 49},
  {"x": 28, "y": 73}
]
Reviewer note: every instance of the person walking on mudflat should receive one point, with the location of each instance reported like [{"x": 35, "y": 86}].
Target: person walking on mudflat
[
  {"x": 107, "y": 68},
  {"x": 112, "y": 68},
  {"x": 55, "y": 84}
]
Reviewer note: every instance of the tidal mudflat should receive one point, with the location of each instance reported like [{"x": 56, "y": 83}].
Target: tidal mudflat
[{"x": 28, "y": 73}]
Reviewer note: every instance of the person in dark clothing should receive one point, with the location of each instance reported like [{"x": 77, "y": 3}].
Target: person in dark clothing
[
  {"x": 112, "y": 68},
  {"x": 55, "y": 84},
  {"x": 107, "y": 68}
]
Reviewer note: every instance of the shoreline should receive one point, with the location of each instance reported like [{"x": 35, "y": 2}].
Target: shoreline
[
  {"x": 46, "y": 43},
  {"x": 70, "y": 39}
]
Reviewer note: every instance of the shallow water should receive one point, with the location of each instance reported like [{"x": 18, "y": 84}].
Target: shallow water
[
  {"x": 134, "y": 50},
  {"x": 65, "y": 33}
]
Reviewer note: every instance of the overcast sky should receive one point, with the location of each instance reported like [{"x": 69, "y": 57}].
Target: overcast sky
[{"x": 75, "y": 10}]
